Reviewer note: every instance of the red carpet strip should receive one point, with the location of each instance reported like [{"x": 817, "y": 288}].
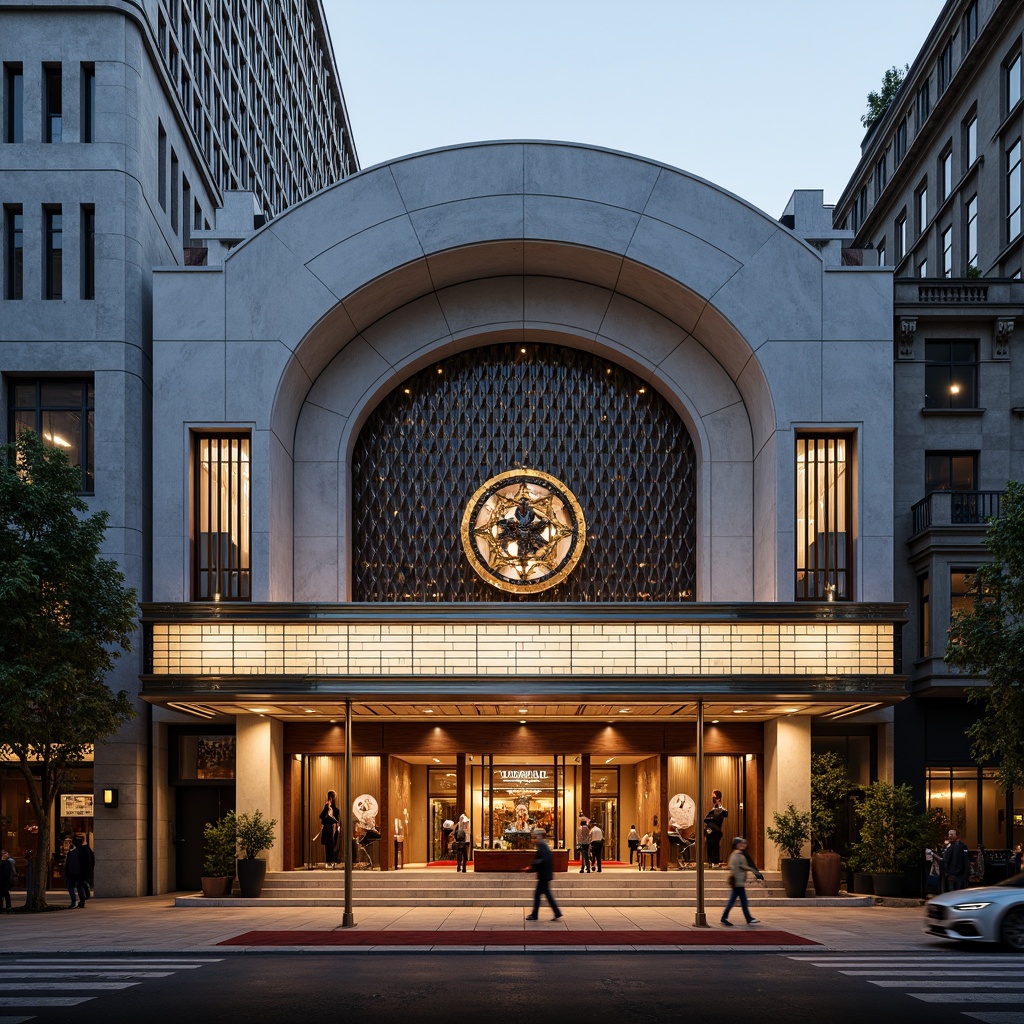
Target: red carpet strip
[{"x": 738, "y": 936}]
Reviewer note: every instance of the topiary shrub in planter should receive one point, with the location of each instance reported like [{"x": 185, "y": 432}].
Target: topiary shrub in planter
[
  {"x": 254, "y": 835},
  {"x": 893, "y": 836},
  {"x": 830, "y": 785},
  {"x": 219, "y": 840},
  {"x": 790, "y": 831}
]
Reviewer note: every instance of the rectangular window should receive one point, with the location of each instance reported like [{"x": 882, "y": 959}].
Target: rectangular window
[
  {"x": 881, "y": 253},
  {"x": 61, "y": 412},
  {"x": 186, "y": 206},
  {"x": 14, "y": 103},
  {"x": 922, "y": 209},
  {"x": 923, "y": 615},
  {"x": 1013, "y": 83},
  {"x": 972, "y": 233},
  {"x": 221, "y": 516},
  {"x": 14, "y": 253},
  {"x": 947, "y": 252},
  {"x": 950, "y": 471},
  {"x": 951, "y": 375},
  {"x": 945, "y": 67},
  {"x": 88, "y": 258},
  {"x": 969, "y": 28},
  {"x": 174, "y": 191},
  {"x": 961, "y": 585},
  {"x": 901, "y": 237},
  {"x": 53, "y": 263},
  {"x": 88, "y": 108},
  {"x": 880, "y": 176},
  {"x": 161, "y": 166},
  {"x": 922, "y": 106},
  {"x": 946, "y": 174},
  {"x": 52, "y": 103},
  {"x": 970, "y": 142},
  {"x": 900, "y": 143},
  {"x": 922, "y": 268},
  {"x": 824, "y": 504},
  {"x": 1013, "y": 191},
  {"x": 862, "y": 205}
]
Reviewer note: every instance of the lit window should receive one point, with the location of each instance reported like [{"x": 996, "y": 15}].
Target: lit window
[
  {"x": 823, "y": 509},
  {"x": 951, "y": 375},
  {"x": 61, "y": 412},
  {"x": 221, "y": 516},
  {"x": 961, "y": 587},
  {"x": 950, "y": 471}
]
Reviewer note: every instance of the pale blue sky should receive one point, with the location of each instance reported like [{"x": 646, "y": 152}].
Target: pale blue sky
[{"x": 759, "y": 97}]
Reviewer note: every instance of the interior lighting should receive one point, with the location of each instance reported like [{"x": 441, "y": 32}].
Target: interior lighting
[
  {"x": 624, "y": 711},
  {"x": 739, "y": 711},
  {"x": 522, "y": 721},
  {"x": 522, "y": 711},
  {"x": 407, "y": 391},
  {"x": 954, "y": 389},
  {"x": 437, "y": 760},
  {"x": 428, "y": 711}
]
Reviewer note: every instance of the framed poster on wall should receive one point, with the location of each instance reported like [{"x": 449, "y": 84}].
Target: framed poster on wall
[{"x": 215, "y": 757}]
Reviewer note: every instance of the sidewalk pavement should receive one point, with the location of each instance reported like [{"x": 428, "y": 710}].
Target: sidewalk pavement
[{"x": 152, "y": 925}]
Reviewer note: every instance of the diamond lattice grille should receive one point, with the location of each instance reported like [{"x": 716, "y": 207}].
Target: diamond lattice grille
[{"x": 609, "y": 436}]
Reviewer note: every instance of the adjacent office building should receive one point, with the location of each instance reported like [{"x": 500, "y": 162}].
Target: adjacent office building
[{"x": 937, "y": 195}]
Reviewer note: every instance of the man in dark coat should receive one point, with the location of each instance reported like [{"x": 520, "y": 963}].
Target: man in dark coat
[
  {"x": 544, "y": 865},
  {"x": 86, "y": 867},
  {"x": 956, "y": 862}
]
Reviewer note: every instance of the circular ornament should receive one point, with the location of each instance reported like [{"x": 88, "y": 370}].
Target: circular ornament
[
  {"x": 682, "y": 810},
  {"x": 523, "y": 531}
]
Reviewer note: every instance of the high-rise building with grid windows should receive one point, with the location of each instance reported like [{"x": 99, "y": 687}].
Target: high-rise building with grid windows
[{"x": 136, "y": 135}]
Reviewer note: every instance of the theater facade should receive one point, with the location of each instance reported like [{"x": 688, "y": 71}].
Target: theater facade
[{"x": 552, "y": 477}]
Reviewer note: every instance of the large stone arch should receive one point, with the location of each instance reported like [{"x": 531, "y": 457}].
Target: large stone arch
[{"x": 333, "y": 303}]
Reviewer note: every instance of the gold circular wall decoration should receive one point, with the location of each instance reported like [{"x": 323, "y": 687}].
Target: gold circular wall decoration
[{"x": 523, "y": 531}]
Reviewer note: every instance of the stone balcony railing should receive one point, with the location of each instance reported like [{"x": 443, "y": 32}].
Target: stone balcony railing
[{"x": 956, "y": 508}]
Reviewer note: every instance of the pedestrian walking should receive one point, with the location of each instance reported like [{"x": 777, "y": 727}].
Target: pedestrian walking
[
  {"x": 596, "y": 845},
  {"x": 8, "y": 880},
  {"x": 72, "y": 873},
  {"x": 544, "y": 866},
  {"x": 86, "y": 869},
  {"x": 956, "y": 862},
  {"x": 583, "y": 845},
  {"x": 739, "y": 865}
]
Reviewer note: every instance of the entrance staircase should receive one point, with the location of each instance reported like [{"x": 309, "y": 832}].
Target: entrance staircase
[{"x": 444, "y": 887}]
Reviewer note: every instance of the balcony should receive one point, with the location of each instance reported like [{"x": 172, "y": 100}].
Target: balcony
[{"x": 956, "y": 508}]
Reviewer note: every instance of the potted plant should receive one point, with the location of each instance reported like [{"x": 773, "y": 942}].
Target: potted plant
[
  {"x": 219, "y": 840},
  {"x": 254, "y": 835},
  {"x": 830, "y": 785},
  {"x": 859, "y": 879},
  {"x": 791, "y": 830},
  {"x": 893, "y": 835}
]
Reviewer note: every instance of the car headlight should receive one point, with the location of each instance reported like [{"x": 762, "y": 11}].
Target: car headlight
[{"x": 971, "y": 906}]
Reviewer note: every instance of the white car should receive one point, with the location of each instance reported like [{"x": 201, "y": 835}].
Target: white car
[{"x": 989, "y": 913}]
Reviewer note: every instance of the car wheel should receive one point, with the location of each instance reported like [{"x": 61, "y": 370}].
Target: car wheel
[{"x": 1012, "y": 930}]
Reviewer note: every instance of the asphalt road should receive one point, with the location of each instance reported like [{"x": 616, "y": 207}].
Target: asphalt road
[{"x": 539, "y": 987}]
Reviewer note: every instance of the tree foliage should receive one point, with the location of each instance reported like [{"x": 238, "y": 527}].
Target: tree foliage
[
  {"x": 989, "y": 641},
  {"x": 893, "y": 831},
  {"x": 878, "y": 102},
  {"x": 65, "y": 616}
]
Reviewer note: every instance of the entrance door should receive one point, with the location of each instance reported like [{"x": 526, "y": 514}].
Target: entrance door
[
  {"x": 441, "y": 810},
  {"x": 195, "y": 806},
  {"x": 605, "y": 810}
]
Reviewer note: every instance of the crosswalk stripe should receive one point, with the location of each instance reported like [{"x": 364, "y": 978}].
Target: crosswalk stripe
[
  {"x": 930, "y": 974},
  {"x": 71, "y": 986},
  {"x": 997, "y": 1017},
  {"x": 1018, "y": 985},
  {"x": 10, "y": 1001},
  {"x": 930, "y": 959},
  {"x": 188, "y": 963},
  {"x": 13, "y": 1020},
  {"x": 50, "y": 973},
  {"x": 966, "y": 997}
]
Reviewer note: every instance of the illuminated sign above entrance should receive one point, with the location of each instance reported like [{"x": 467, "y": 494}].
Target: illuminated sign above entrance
[
  {"x": 523, "y": 775},
  {"x": 523, "y": 531}
]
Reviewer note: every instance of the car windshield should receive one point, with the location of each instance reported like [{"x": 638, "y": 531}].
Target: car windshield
[{"x": 1014, "y": 881}]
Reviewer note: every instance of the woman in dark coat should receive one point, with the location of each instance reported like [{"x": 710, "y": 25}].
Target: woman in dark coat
[
  {"x": 330, "y": 821},
  {"x": 713, "y": 828}
]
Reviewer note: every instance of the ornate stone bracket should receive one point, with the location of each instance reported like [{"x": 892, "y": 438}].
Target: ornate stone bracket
[
  {"x": 908, "y": 329},
  {"x": 1001, "y": 341}
]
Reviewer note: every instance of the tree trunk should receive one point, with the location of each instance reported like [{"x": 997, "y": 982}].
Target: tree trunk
[{"x": 35, "y": 895}]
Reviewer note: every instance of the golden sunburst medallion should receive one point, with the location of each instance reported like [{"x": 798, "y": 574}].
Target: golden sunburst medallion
[{"x": 523, "y": 531}]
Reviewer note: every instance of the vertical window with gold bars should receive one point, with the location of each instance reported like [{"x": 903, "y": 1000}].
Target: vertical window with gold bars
[
  {"x": 221, "y": 517},
  {"x": 824, "y": 510}
]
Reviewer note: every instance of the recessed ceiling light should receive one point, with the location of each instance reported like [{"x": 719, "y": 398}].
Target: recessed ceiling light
[
  {"x": 310, "y": 711},
  {"x": 792, "y": 711},
  {"x": 428, "y": 711},
  {"x": 522, "y": 711},
  {"x": 739, "y": 711},
  {"x": 714, "y": 721},
  {"x": 609, "y": 760},
  {"x": 522, "y": 721},
  {"x": 437, "y": 760},
  {"x": 624, "y": 711}
]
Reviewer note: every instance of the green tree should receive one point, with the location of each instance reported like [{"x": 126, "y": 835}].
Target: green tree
[
  {"x": 65, "y": 616},
  {"x": 989, "y": 641},
  {"x": 830, "y": 785},
  {"x": 878, "y": 102}
]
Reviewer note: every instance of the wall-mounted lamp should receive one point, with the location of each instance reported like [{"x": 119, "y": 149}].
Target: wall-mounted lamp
[{"x": 110, "y": 798}]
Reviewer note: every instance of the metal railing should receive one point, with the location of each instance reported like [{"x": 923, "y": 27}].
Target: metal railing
[{"x": 956, "y": 508}]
